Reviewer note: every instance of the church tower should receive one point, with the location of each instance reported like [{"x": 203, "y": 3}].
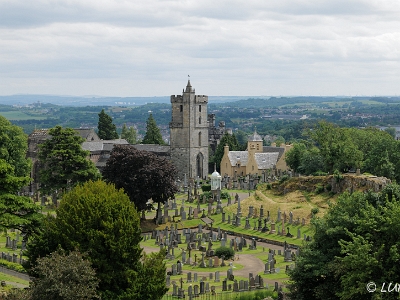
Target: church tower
[{"x": 189, "y": 133}]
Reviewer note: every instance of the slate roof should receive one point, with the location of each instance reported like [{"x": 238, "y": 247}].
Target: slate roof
[
  {"x": 92, "y": 146},
  {"x": 266, "y": 160},
  {"x": 269, "y": 149},
  {"x": 103, "y": 145},
  {"x": 238, "y": 156},
  {"x": 255, "y": 137},
  {"x": 153, "y": 148}
]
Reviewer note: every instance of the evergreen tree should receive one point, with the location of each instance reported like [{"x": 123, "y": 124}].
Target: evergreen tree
[
  {"x": 98, "y": 219},
  {"x": 107, "y": 130},
  {"x": 153, "y": 134},
  {"x": 16, "y": 212},
  {"x": 129, "y": 134},
  {"x": 64, "y": 163}
]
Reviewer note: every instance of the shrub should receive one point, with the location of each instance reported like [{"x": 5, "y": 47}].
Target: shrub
[
  {"x": 12, "y": 266},
  {"x": 320, "y": 173},
  {"x": 283, "y": 178},
  {"x": 225, "y": 251},
  {"x": 206, "y": 187},
  {"x": 314, "y": 211},
  {"x": 319, "y": 189},
  {"x": 224, "y": 195}
]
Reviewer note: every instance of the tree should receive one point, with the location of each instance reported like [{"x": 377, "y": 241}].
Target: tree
[
  {"x": 64, "y": 163},
  {"x": 16, "y": 212},
  {"x": 129, "y": 134},
  {"x": 153, "y": 134},
  {"x": 62, "y": 276},
  {"x": 106, "y": 129},
  {"x": 98, "y": 219},
  {"x": 337, "y": 148},
  {"x": 13, "y": 147},
  {"x": 142, "y": 174},
  {"x": 294, "y": 155},
  {"x": 227, "y": 139},
  {"x": 356, "y": 242}
]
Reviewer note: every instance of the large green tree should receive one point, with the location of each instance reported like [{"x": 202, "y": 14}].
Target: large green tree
[
  {"x": 64, "y": 163},
  {"x": 64, "y": 276},
  {"x": 98, "y": 219},
  {"x": 355, "y": 243},
  {"x": 16, "y": 212},
  {"x": 337, "y": 148},
  {"x": 129, "y": 134},
  {"x": 153, "y": 134},
  {"x": 227, "y": 139},
  {"x": 13, "y": 147},
  {"x": 106, "y": 128},
  {"x": 142, "y": 174}
]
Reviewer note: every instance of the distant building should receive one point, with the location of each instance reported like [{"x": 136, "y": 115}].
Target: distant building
[
  {"x": 99, "y": 151},
  {"x": 256, "y": 159}
]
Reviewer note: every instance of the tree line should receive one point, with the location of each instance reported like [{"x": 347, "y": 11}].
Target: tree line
[{"x": 328, "y": 148}]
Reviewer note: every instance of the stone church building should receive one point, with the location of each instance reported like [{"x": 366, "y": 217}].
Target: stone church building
[{"x": 255, "y": 160}]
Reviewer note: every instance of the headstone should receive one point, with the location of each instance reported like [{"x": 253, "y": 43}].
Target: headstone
[
  {"x": 189, "y": 277},
  {"x": 217, "y": 277}
]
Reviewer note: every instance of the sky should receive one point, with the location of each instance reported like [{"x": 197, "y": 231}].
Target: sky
[{"x": 133, "y": 48}]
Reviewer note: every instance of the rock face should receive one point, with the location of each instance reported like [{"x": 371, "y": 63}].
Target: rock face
[{"x": 330, "y": 183}]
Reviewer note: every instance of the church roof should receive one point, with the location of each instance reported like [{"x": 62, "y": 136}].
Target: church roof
[
  {"x": 153, "y": 148},
  {"x": 266, "y": 160},
  {"x": 189, "y": 87},
  {"x": 269, "y": 149},
  {"x": 236, "y": 157},
  {"x": 255, "y": 137}
]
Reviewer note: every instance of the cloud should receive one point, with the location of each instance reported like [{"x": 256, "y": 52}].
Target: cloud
[{"x": 231, "y": 47}]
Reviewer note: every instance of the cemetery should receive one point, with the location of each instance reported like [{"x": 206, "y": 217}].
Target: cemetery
[{"x": 264, "y": 232}]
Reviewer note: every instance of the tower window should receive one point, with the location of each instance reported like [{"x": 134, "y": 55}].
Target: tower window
[
  {"x": 199, "y": 120},
  {"x": 199, "y": 139},
  {"x": 181, "y": 108},
  {"x": 199, "y": 108}
]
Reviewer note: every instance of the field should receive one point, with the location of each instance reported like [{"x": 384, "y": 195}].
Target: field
[{"x": 19, "y": 115}]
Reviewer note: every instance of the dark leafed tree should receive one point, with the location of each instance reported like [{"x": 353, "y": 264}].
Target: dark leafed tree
[
  {"x": 153, "y": 134},
  {"x": 98, "y": 219},
  {"x": 64, "y": 162},
  {"x": 142, "y": 174},
  {"x": 64, "y": 276},
  {"x": 129, "y": 134},
  {"x": 106, "y": 128},
  {"x": 16, "y": 211}
]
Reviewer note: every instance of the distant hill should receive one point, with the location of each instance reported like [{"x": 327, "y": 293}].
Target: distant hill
[{"x": 101, "y": 101}]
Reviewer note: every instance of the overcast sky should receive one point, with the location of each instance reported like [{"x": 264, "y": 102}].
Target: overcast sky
[{"x": 149, "y": 47}]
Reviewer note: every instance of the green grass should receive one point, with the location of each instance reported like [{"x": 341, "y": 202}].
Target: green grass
[
  {"x": 11, "y": 279},
  {"x": 18, "y": 115}
]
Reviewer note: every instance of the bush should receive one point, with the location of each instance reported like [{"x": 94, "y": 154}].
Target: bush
[
  {"x": 319, "y": 189},
  {"x": 224, "y": 195},
  {"x": 225, "y": 251},
  {"x": 314, "y": 211},
  {"x": 283, "y": 178},
  {"x": 12, "y": 266},
  {"x": 206, "y": 187}
]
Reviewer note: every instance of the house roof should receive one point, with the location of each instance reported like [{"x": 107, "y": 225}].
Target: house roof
[
  {"x": 266, "y": 160},
  {"x": 236, "y": 157}
]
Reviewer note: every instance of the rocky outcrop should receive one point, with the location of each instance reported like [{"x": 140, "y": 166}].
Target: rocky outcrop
[{"x": 332, "y": 183}]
